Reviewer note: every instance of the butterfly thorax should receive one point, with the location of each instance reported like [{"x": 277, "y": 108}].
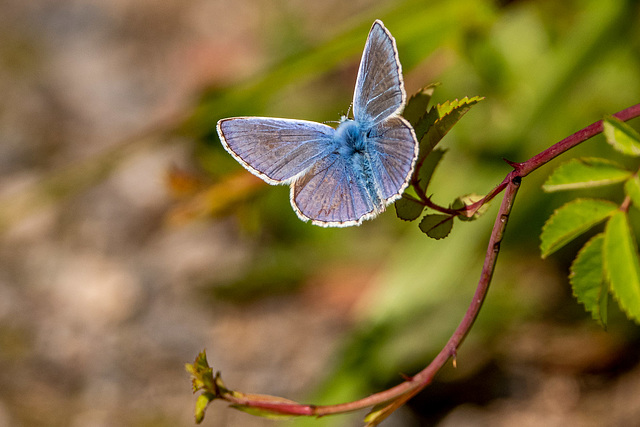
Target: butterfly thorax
[
  {"x": 351, "y": 143},
  {"x": 350, "y": 139}
]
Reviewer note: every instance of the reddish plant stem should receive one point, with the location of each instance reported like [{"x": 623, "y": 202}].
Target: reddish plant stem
[
  {"x": 525, "y": 168},
  {"x": 571, "y": 141},
  {"x": 412, "y": 386},
  {"x": 428, "y": 203},
  {"x": 424, "y": 377}
]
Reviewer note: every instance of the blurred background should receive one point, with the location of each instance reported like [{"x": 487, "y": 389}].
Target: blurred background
[{"x": 130, "y": 241}]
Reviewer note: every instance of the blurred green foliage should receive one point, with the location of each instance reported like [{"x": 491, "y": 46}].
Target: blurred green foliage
[{"x": 546, "y": 69}]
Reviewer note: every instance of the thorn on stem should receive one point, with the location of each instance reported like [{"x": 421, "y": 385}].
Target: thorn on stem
[
  {"x": 514, "y": 165},
  {"x": 406, "y": 377},
  {"x": 454, "y": 357}
]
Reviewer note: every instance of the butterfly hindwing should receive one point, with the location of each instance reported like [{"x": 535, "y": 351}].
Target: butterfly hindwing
[
  {"x": 392, "y": 152},
  {"x": 332, "y": 193},
  {"x": 276, "y": 150}
]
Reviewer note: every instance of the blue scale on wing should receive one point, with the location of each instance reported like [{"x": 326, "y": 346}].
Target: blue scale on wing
[
  {"x": 278, "y": 149},
  {"x": 392, "y": 153},
  {"x": 379, "y": 90},
  {"x": 331, "y": 192}
]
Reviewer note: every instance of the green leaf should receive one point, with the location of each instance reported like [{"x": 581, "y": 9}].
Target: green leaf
[
  {"x": 604, "y": 305},
  {"x": 381, "y": 411},
  {"x": 632, "y": 189},
  {"x": 460, "y": 107},
  {"x": 436, "y": 226},
  {"x": 201, "y": 405},
  {"x": 201, "y": 373},
  {"x": 449, "y": 113},
  {"x": 427, "y": 167},
  {"x": 584, "y": 173},
  {"x": 408, "y": 208},
  {"x": 587, "y": 279},
  {"x": 376, "y": 412},
  {"x": 571, "y": 220},
  {"x": 621, "y": 136},
  {"x": 424, "y": 123},
  {"x": 418, "y": 104},
  {"x": 622, "y": 265}
]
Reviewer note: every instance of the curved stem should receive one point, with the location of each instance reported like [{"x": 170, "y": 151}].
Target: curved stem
[
  {"x": 571, "y": 141},
  {"x": 413, "y": 385},
  {"x": 424, "y": 377},
  {"x": 430, "y": 204},
  {"x": 404, "y": 391},
  {"x": 525, "y": 168}
]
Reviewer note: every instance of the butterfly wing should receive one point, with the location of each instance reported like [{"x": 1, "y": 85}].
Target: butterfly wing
[
  {"x": 392, "y": 150},
  {"x": 332, "y": 193},
  {"x": 276, "y": 150},
  {"x": 342, "y": 191},
  {"x": 379, "y": 98},
  {"x": 328, "y": 186},
  {"x": 379, "y": 87}
]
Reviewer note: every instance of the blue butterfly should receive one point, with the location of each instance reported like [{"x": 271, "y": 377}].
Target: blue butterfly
[{"x": 339, "y": 177}]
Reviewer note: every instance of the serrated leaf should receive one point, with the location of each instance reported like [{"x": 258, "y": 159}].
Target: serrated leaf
[
  {"x": 465, "y": 103},
  {"x": 622, "y": 265},
  {"x": 202, "y": 379},
  {"x": 449, "y": 113},
  {"x": 418, "y": 104},
  {"x": 201, "y": 373},
  {"x": 587, "y": 279},
  {"x": 436, "y": 226},
  {"x": 427, "y": 167},
  {"x": 201, "y": 363},
  {"x": 621, "y": 136},
  {"x": 632, "y": 189},
  {"x": 408, "y": 208},
  {"x": 585, "y": 173},
  {"x": 571, "y": 220},
  {"x": 424, "y": 123}
]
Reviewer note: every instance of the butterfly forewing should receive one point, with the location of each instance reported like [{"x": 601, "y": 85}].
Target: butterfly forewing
[
  {"x": 379, "y": 89},
  {"x": 275, "y": 149}
]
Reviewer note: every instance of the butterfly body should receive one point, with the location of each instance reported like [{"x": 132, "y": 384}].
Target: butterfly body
[
  {"x": 341, "y": 176},
  {"x": 349, "y": 138}
]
